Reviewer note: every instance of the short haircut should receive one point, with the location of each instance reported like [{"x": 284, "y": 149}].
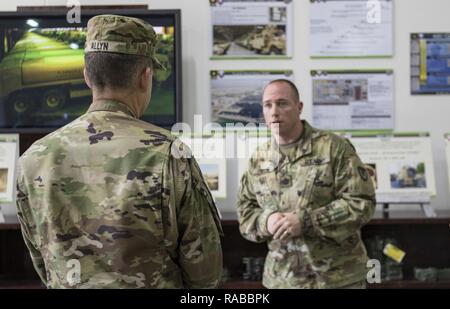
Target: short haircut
[
  {"x": 114, "y": 70},
  {"x": 289, "y": 83}
]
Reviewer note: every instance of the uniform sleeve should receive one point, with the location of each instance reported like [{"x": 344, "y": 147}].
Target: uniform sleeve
[
  {"x": 199, "y": 227},
  {"x": 252, "y": 218},
  {"x": 29, "y": 228},
  {"x": 355, "y": 203}
]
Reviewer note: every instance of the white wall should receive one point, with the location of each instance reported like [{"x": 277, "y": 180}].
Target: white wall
[{"x": 413, "y": 113}]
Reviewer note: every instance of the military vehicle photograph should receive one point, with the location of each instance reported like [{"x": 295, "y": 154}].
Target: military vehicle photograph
[
  {"x": 236, "y": 95},
  {"x": 411, "y": 175},
  {"x": 42, "y": 82},
  {"x": 249, "y": 40}
]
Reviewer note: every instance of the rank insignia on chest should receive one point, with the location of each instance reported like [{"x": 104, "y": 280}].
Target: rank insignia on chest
[{"x": 286, "y": 181}]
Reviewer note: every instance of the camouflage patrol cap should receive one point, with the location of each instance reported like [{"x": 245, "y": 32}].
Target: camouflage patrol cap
[{"x": 122, "y": 34}]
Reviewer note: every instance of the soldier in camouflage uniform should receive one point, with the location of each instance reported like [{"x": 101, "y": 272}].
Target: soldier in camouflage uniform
[
  {"x": 307, "y": 194},
  {"x": 109, "y": 201}
]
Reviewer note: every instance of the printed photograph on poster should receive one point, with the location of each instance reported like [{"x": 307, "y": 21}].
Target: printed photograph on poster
[
  {"x": 250, "y": 29},
  {"x": 9, "y": 153},
  {"x": 351, "y": 28},
  {"x": 236, "y": 95},
  {"x": 407, "y": 175},
  {"x": 214, "y": 173},
  {"x": 353, "y": 100},
  {"x": 430, "y": 63},
  {"x": 372, "y": 171},
  {"x": 399, "y": 164},
  {"x": 3, "y": 179}
]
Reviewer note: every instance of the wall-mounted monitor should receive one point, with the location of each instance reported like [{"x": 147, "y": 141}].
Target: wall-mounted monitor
[{"x": 41, "y": 68}]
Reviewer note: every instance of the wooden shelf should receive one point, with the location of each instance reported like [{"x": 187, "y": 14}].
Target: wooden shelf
[
  {"x": 241, "y": 284},
  {"x": 401, "y": 284},
  {"x": 21, "y": 284},
  {"x": 410, "y": 284}
]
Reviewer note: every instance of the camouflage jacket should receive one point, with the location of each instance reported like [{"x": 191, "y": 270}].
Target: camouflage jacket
[
  {"x": 104, "y": 203},
  {"x": 322, "y": 179}
]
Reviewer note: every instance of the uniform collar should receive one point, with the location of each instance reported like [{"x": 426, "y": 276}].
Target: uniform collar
[
  {"x": 304, "y": 147},
  {"x": 110, "y": 106}
]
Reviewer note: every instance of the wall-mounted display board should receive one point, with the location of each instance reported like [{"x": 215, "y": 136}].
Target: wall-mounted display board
[
  {"x": 251, "y": 29},
  {"x": 236, "y": 95},
  {"x": 351, "y": 28},
  {"x": 209, "y": 152},
  {"x": 400, "y": 165},
  {"x": 447, "y": 154},
  {"x": 215, "y": 174},
  {"x": 9, "y": 153},
  {"x": 430, "y": 63},
  {"x": 353, "y": 100}
]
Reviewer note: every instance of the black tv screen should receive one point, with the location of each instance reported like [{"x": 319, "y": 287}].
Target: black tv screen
[{"x": 41, "y": 69}]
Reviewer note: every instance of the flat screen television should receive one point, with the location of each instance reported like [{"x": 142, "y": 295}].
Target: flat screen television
[{"x": 41, "y": 68}]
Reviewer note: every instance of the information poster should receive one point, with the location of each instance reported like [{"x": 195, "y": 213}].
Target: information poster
[
  {"x": 400, "y": 165},
  {"x": 236, "y": 96},
  {"x": 430, "y": 63},
  {"x": 447, "y": 155},
  {"x": 9, "y": 153},
  {"x": 353, "y": 100},
  {"x": 251, "y": 29},
  {"x": 351, "y": 28},
  {"x": 215, "y": 174},
  {"x": 210, "y": 154}
]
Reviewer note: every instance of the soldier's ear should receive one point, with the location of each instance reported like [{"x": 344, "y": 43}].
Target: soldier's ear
[
  {"x": 145, "y": 78},
  {"x": 300, "y": 106},
  {"x": 86, "y": 78}
]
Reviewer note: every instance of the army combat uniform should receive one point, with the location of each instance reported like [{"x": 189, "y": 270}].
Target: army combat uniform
[
  {"x": 323, "y": 181},
  {"x": 109, "y": 201},
  {"x": 107, "y": 194}
]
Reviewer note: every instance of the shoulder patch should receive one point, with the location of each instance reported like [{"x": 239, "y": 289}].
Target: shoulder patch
[{"x": 363, "y": 173}]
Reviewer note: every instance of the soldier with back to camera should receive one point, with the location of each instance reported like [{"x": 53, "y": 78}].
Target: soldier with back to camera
[
  {"x": 307, "y": 194},
  {"x": 109, "y": 201}
]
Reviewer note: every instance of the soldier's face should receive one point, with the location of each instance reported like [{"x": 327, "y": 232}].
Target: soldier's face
[{"x": 280, "y": 108}]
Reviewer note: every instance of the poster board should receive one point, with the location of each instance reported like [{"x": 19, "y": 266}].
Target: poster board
[
  {"x": 430, "y": 63},
  {"x": 351, "y": 28},
  {"x": 399, "y": 164},
  {"x": 9, "y": 154},
  {"x": 353, "y": 99},
  {"x": 251, "y": 29},
  {"x": 447, "y": 155},
  {"x": 236, "y": 96}
]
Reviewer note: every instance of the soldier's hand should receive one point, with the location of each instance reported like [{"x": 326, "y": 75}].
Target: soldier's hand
[
  {"x": 287, "y": 227},
  {"x": 272, "y": 221}
]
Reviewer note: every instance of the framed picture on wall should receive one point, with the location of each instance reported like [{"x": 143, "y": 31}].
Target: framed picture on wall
[
  {"x": 236, "y": 96},
  {"x": 215, "y": 174},
  {"x": 430, "y": 63},
  {"x": 351, "y": 28},
  {"x": 251, "y": 29},
  {"x": 353, "y": 99}
]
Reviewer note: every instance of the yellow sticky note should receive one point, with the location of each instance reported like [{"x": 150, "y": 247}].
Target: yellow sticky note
[{"x": 394, "y": 253}]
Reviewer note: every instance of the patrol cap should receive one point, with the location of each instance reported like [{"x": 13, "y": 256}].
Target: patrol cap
[{"x": 121, "y": 34}]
